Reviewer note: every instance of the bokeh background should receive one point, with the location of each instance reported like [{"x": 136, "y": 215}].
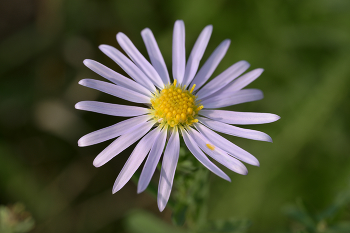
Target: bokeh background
[{"x": 304, "y": 47}]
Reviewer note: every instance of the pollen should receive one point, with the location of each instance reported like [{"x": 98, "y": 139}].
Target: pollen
[
  {"x": 211, "y": 147},
  {"x": 174, "y": 105}
]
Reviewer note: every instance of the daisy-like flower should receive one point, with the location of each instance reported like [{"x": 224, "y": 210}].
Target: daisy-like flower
[{"x": 182, "y": 106}]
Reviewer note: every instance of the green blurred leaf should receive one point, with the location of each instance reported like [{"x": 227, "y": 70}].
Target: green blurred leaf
[
  {"x": 299, "y": 213},
  {"x": 340, "y": 227},
  {"x": 340, "y": 201},
  {"x": 179, "y": 214},
  {"x": 227, "y": 226},
  {"x": 142, "y": 222},
  {"x": 186, "y": 167}
]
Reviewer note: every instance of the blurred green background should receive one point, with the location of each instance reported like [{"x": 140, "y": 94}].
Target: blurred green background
[{"x": 304, "y": 47}]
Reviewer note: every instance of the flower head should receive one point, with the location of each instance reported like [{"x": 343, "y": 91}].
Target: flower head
[{"x": 185, "y": 106}]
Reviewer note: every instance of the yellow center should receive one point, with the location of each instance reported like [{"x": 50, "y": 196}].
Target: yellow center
[{"x": 174, "y": 106}]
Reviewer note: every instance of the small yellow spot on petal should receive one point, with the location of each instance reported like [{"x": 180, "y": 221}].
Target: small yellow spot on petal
[{"x": 211, "y": 147}]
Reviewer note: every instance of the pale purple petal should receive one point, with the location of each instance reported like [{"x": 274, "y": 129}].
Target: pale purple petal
[
  {"x": 111, "y": 109},
  {"x": 235, "y": 131},
  {"x": 232, "y": 98},
  {"x": 219, "y": 155},
  {"x": 179, "y": 52},
  {"x": 134, "y": 161},
  {"x": 239, "y": 118},
  {"x": 122, "y": 143},
  {"x": 115, "y": 90},
  {"x": 139, "y": 59},
  {"x": 192, "y": 146},
  {"x": 196, "y": 55},
  {"x": 115, "y": 77},
  {"x": 223, "y": 79},
  {"x": 243, "y": 81},
  {"x": 152, "y": 161},
  {"x": 210, "y": 65},
  {"x": 227, "y": 146},
  {"x": 155, "y": 55},
  {"x": 128, "y": 66},
  {"x": 170, "y": 158},
  {"x": 112, "y": 131}
]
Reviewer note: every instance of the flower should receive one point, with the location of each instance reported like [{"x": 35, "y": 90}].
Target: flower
[{"x": 183, "y": 106}]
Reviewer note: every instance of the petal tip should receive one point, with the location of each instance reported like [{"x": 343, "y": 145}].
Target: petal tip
[
  {"x": 275, "y": 117},
  {"x": 81, "y": 143},
  {"x": 243, "y": 171},
  {"x": 140, "y": 189},
  {"x": 87, "y": 62},
  {"x": 97, "y": 162},
  {"x": 120, "y": 36},
  {"x": 209, "y": 27},
  {"x": 115, "y": 189},
  {"x": 179, "y": 21},
  {"x": 103, "y": 47},
  {"x": 161, "y": 206},
  {"x": 77, "y": 105},
  {"x": 253, "y": 161},
  {"x": 227, "y": 42},
  {"x": 244, "y": 62},
  {"x": 145, "y": 31},
  {"x": 266, "y": 138},
  {"x": 82, "y": 82}
]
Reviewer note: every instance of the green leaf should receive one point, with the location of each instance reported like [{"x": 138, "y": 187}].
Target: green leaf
[
  {"x": 179, "y": 214},
  {"x": 300, "y": 214},
  {"x": 227, "y": 226},
  {"x": 340, "y": 227},
  {"x": 340, "y": 202},
  {"x": 139, "y": 221}
]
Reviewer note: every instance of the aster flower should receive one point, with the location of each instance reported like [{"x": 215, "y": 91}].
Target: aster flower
[{"x": 182, "y": 106}]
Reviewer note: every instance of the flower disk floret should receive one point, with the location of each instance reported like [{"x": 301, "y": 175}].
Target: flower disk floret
[{"x": 175, "y": 106}]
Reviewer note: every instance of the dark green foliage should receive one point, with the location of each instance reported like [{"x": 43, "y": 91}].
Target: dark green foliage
[{"x": 334, "y": 219}]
